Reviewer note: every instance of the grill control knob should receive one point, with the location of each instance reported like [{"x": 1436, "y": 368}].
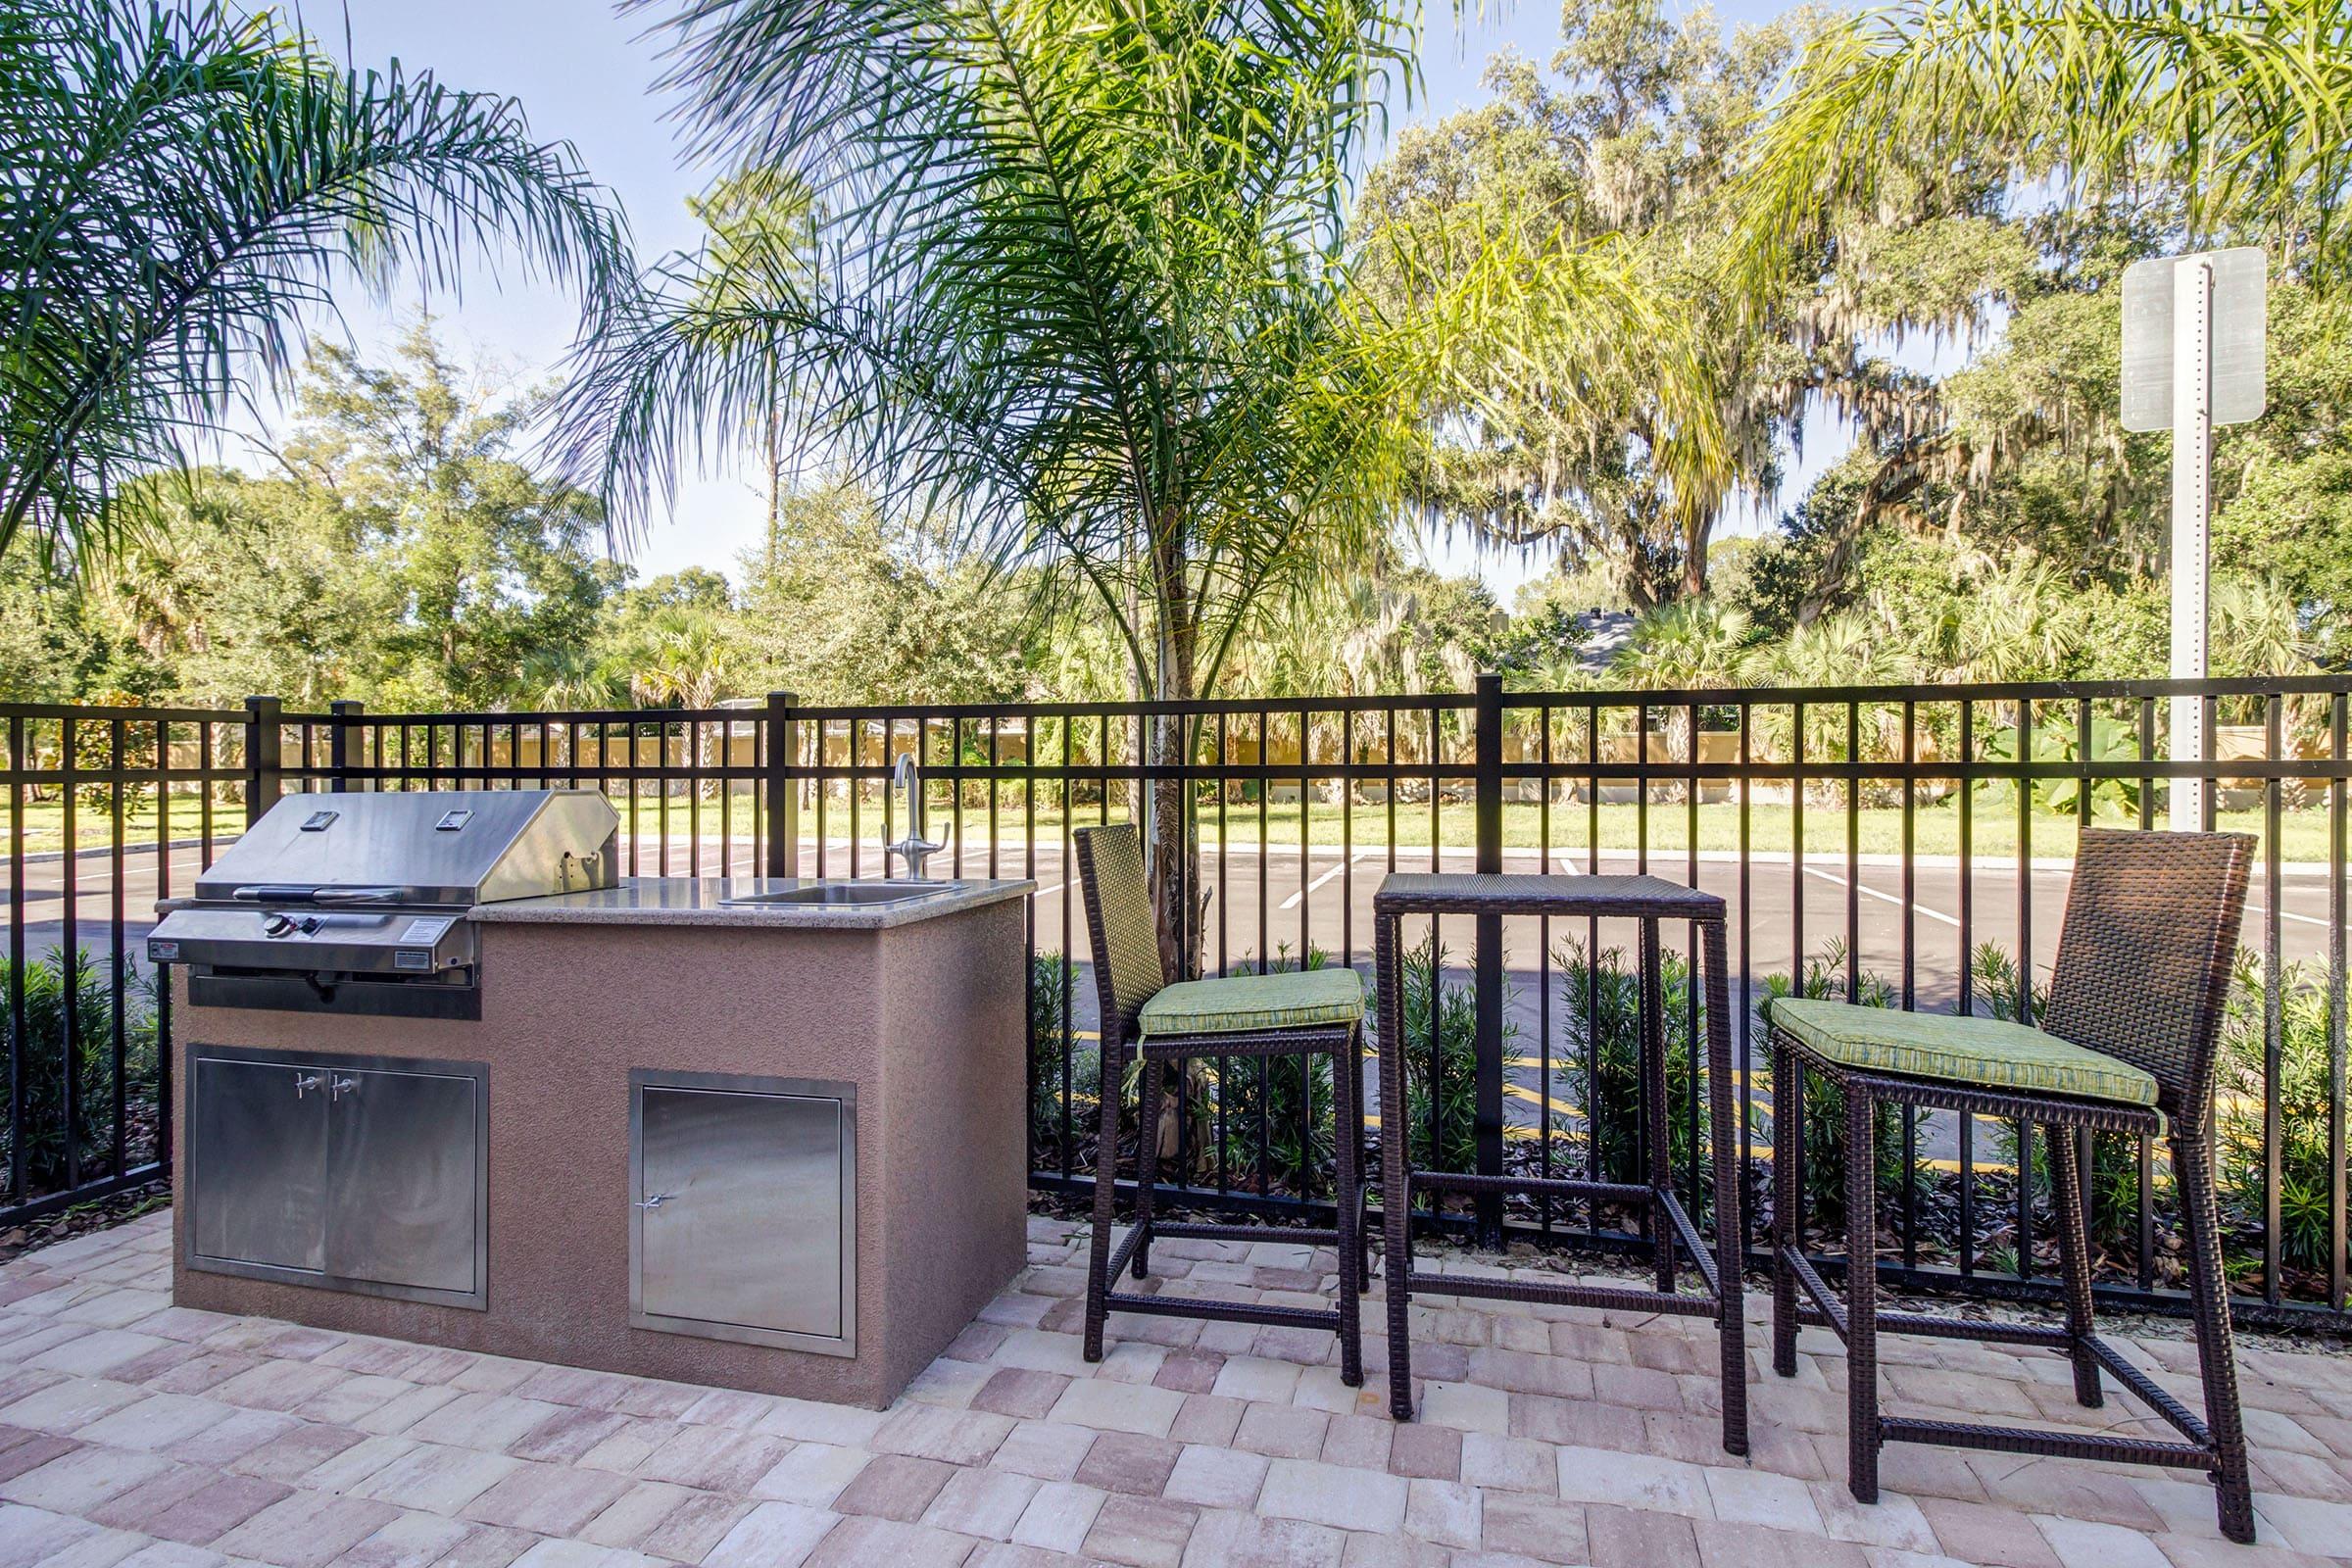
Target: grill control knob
[{"x": 278, "y": 925}]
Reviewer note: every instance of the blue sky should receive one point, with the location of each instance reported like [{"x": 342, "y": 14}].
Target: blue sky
[{"x": 583, "y": 76}]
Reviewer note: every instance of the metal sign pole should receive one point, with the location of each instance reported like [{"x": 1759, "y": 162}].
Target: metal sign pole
[
  {"x": 2195, "y": 357},
  {"x": 2192, "y": 499}
]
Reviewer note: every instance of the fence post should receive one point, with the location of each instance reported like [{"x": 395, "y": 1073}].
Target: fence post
[
  {"x": 1489, "y": 970},
  {"x": 265, "y": 756},
  {"x": 782, "y": 786},
  {"x": 340, "y": 738}
]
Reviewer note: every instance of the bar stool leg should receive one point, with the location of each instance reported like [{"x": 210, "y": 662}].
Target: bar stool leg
[
  {"x": 1653, "y": 1106},
  {"x": 1861, "y": 1297},
  {"x": 1787, "y": 1220},
  {"x": 1730, "y": 1194},
  {"x": 1346, "y": 1081},
  {"x": 2217, "y": 1362},
  {"x": 1364, "y": 1164},
  {"x": 1394, "y": 1147},
  {"x": 1106, "y": 1174},
  {"x": 2074, "y": 1257},
  {"x": 1147, "y": 1159}
]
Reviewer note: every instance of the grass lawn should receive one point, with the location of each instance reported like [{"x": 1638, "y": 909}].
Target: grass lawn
[{"x": 93, "y": 825}]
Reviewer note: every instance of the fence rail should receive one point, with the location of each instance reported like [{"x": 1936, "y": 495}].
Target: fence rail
[{"x": 1905, "y": 845}]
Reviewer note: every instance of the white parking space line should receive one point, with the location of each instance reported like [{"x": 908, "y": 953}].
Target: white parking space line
[
  {"x": 1325, "y": 880},
  {"x": 1869, "y": 892}
]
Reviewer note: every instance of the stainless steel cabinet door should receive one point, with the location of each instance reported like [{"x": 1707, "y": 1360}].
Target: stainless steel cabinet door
[
  {"x": 257, "y": 1153},
  {"x": 402, "y": 1179},
  {"x": 741, "y": 1214}
]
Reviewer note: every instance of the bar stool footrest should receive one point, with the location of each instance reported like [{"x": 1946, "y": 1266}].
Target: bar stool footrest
[
  {"x": 2107, "y": 1446},
  {"x": 1205, "y": 1231},
  {"x": 1619, "y": 1297},
  {"x": 1195, "y": 1307}
]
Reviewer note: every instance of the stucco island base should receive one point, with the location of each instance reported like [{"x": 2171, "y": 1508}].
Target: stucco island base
[{"x": 923, "y": 1015}]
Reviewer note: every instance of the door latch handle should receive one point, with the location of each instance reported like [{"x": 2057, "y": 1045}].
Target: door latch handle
[
  {"x": 305, "y": 1082},
  {"x": 653, "y": 1200},
  {"x": 342, "y": 1086}
]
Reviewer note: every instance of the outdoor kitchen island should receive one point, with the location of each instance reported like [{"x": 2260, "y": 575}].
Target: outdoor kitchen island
[{"x": 745, "y": 1134}]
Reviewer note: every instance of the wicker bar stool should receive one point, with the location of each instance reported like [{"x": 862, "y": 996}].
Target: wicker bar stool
[
  {"x": 2127, "y": 1045},
  {"x": 1305, "y": 1012}
]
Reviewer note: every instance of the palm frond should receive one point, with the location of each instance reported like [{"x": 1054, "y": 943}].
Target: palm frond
[
  {"x": 2245, "y": 106},
  {"x": 183, "y": 187}
]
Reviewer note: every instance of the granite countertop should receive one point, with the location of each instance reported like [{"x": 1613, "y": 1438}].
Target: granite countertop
[{"x": 688, "y": 900}]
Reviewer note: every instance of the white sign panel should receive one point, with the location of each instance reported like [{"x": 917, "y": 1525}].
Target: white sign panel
[{"x": 2241, "y": 379}]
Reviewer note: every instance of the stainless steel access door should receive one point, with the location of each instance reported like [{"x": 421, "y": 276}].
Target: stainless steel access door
[
  {"x": 257, "y": 1159},
  {"x": 367, "y": 1174},
  {"x": 745, "y": 1225},
  {"x": 401, "y": 1179}
]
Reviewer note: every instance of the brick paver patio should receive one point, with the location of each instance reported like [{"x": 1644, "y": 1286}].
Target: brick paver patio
[{"x": 137, "y": 1434}]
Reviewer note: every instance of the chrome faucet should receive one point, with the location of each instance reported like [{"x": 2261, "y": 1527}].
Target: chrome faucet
[{"x": 917, "y": 849}]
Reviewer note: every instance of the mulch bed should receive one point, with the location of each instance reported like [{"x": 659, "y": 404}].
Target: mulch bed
[{"x": 96, "y": 1215}]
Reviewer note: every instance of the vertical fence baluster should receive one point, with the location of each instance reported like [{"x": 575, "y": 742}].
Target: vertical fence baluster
[
  {"x": 1739, "y": 996},
  {"x": 2025, "y": 970},
  {"x": 1543, "y": 1106},
  {"x": 1595, "y": 1112},
  {"x": 117, "y": 953},
  {"x": 1965, "y": 874},
  {"x": 1489, "y": 955},
  {"x": 1788, "y": 1100},
  {"x": 2272, "y": 993},
  {"x": 1691, "y": 975},
  {"x": 1908, "y": 936},
  {"x": 18, "y": 767},
  {"x": 163, "y": 972},
  {"x": 69, "y": 948}
]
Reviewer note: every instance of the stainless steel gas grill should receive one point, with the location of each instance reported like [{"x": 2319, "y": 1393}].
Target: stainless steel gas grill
[{"x": 357, "y": 902}]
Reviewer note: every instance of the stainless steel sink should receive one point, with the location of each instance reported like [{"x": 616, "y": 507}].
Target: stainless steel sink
[{"x": 847, "y": 892}]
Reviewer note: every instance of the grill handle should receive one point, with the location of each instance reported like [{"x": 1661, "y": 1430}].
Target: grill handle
[{"x": 279, "y": 893}]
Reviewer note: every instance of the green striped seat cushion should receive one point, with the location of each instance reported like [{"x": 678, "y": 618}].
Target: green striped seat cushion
[
  {"x": 1983, "y": 1053},
  {"x": 1240, "y": 1004}
]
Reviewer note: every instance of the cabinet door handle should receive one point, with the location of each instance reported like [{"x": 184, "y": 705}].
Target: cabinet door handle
[
  {"x": 655, "y": 1200},
  {"x": 342, "y": 1086},
  {"x": 305, "y": 1082}
]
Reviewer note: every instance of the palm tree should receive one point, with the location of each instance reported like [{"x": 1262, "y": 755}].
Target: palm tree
[
  {"x": 1684, "y": 646},
  {"x": 184, "y": 182},
  {"x": 684, "y": 658},
  {"x": 1082, "y": 277},
  {"x": 760, "y": 219},
  {"x": 571, "y": 679},
  {"x": 2245, "y": 108}
]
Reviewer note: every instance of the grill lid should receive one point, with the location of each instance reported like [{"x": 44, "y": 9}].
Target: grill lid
[{"x": 438, "y": 847}]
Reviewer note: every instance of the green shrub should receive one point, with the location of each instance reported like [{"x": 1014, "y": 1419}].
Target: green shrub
[
  {"x": 1825, "y": 978},
  {"x": 1050, "y": 979},
  {"x": 1290, "y": 1101},
  {"x": 48, "y": 982},
  {"x": 2114, "y": 1217},
  {"x": 1602, "y": 1062},
  {"x": 2302, "y": 1088},
  {"x": 2113, "y": 801},
  {"x": 1445, "y": 1078}
]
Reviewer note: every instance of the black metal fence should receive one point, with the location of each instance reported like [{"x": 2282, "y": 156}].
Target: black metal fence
[{"x": 1897, "y": 845}]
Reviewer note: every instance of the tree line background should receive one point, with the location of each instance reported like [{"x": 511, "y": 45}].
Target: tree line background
[{"x": 407, "y": 539}]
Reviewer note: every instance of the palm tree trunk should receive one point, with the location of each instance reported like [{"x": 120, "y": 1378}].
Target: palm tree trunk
[
  {"x": 1177, "y": 654},
  {"x": 1694, "y": 556}
]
